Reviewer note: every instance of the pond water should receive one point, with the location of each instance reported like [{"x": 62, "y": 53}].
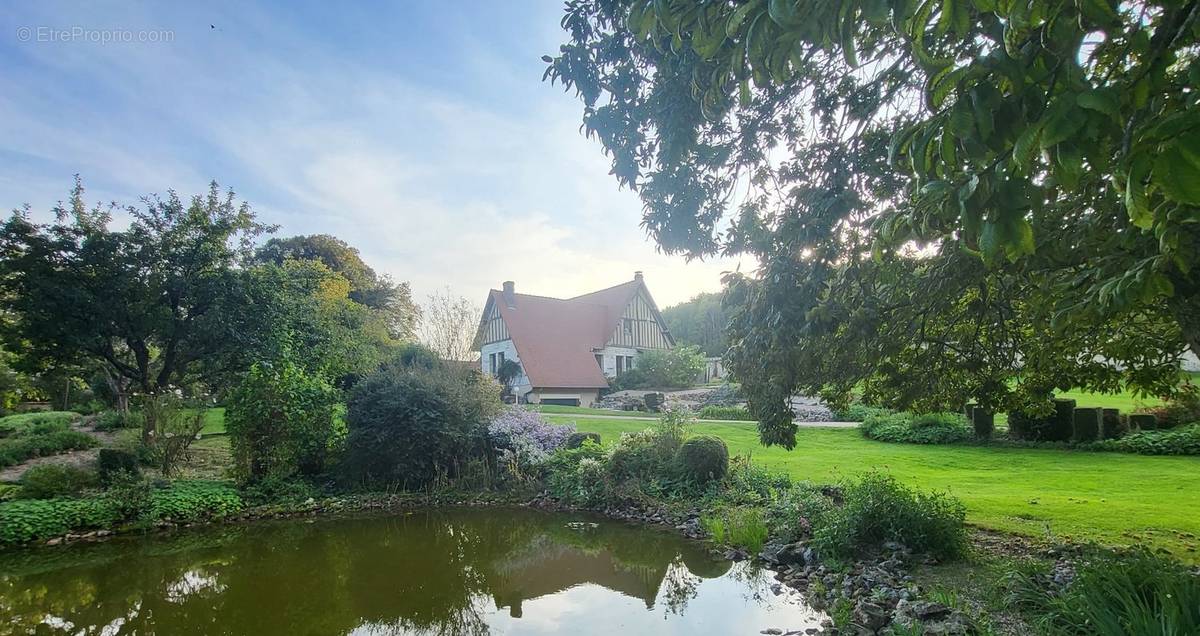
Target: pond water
[{"x": 445, "y": 571}]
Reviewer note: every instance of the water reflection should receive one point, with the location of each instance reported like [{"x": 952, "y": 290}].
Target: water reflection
[{"x": 437, "y": 572}]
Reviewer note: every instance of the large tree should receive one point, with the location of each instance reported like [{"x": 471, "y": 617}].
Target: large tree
[
  {"x": 146, "y": 302},
  {"x": 367, "y": 287},
  {"x": 700, "y": 321},
  {"x": 942, "y": 195}
]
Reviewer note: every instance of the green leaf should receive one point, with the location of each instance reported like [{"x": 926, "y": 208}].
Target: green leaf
[
  {"x": 1060, "y": 123},
  {"x": 1178, "y": 177},
  {"x": 1026, "y": 146},
  {"x": 739, "y": 16},
  {"x": 1101, "y": 100},
  {"x": 1137, "y": 204}
]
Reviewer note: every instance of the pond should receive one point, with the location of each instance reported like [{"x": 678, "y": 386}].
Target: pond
[{"x": 444, "y": 571}]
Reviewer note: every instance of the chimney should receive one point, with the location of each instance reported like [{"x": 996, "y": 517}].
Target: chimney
[
  {"x": 510, "y": 299},
  {"x": 637, "y": 275}
]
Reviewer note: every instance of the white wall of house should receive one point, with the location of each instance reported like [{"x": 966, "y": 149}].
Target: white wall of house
[
  {"x": 521, "y": 385},
  {"x": 610, "y": 354},
  {"x": 586, "y": 397}
]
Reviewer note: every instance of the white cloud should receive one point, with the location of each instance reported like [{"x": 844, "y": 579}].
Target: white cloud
[{"x": 434, "y": 183}]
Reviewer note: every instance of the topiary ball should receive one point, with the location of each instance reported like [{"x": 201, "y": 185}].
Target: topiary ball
[
  {"x": 577, "y": 439},
  {"x": 704, "y": 458}
]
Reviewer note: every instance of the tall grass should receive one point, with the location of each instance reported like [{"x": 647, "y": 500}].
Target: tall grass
[
  {"x": 1133, "y": 594},
  {"x": 739, "y": 527}
]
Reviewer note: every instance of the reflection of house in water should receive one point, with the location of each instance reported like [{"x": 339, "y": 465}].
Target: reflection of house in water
[{"x": 546, "y": 567}]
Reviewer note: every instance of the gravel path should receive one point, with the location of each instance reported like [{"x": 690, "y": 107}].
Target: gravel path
[{"x": 799, "y": 423}]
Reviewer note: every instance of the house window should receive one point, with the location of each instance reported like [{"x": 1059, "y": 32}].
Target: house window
[
  {"x": 628, "y": 363},
  {"x": 620, "y": 364},
  {"x": 499, "y": 360},
  {"x": 600, "y": 361},
  {"x": 492, "y": 363},
  {"x": 628, "y": 325}
]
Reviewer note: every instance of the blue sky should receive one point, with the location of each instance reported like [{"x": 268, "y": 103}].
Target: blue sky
[{"x": 421, "y": 134}]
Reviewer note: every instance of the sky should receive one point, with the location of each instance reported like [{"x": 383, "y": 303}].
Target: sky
[{"x": 422, "y": 134}]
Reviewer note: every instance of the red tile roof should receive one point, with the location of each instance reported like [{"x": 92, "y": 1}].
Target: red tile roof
[{"x": 555, "y": 338}]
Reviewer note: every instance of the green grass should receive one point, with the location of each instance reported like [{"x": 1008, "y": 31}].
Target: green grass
[
  {"x": 214, "y": 421},
  {"x": 1112, "y": 498}
]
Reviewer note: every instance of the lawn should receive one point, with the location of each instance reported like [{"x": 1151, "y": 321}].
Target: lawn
[{"x": 1111, "y": 498}]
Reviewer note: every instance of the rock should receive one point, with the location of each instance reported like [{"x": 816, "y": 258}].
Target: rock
[
  {"x": 54, "y": 541},
  {"x": 775, "y": 631},
  {"x": 870, "y": 616},
  {"x": 792, "y": 554},
  {"x": 957, "y": 624},
  {"x": 929, "y": 610}
]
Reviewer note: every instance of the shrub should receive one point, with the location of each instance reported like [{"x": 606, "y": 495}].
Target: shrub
[
  {"x": 36, "y": 519},
  {"x": 858, "y": 412},
  {"x": 663, "y": 369},
  {"x": 1183, "y": 440},
  {"x": 1183, "y": 409},
  {"x": 128, "y": 495},
  {"x": 1115, "y": 595},
  {"x": 577, "y": 439},
  {"x": 21, "y": 422},
  {"x": 703, "y": 458},
  {"x": 797, "y": 511},
  {"x": 1057, "y": 425},
  {"x": 170, "y": 425},
  {"x": 725, "y": 413},
  {"x": 877, "y": 508},
  {"x": 577, "y": 475},
  {"x": 410, "y": 424},
  {"x": 524, "y": 439},
  {"x": 740, "y": 527},
  {"x": 638, "y": 455},
  {"x": 275, "y": 489},
  {"x": 42, "y": 441},
  {"x": 932, "y": 428},
  {"x": 115, "y": 420},
  {"x": 280, "y": 421},
  {"x": 47, "y": 481},
  {"x": 192, "y": 501},
  {"x": 113, "y": 462}
]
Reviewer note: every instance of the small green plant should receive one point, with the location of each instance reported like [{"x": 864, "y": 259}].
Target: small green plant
[
  {"x": 1138, "y": 593},
  {"x": 877, "y": 508},
  {"x": 741, "y": 527},
  {"x": 703, "y": 458},
  {"x": 47, "y": 481},
  {"x": 715, "y": 412}
]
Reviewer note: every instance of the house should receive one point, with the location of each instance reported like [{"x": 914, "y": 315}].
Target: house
[{"x": 569, "y": 348}]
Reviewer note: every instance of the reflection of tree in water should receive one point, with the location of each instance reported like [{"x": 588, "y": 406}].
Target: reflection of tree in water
[{"x": 439, "y": 572}]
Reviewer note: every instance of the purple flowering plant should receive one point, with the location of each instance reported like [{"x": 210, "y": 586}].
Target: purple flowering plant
[{"x": 526, "y": 437}]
